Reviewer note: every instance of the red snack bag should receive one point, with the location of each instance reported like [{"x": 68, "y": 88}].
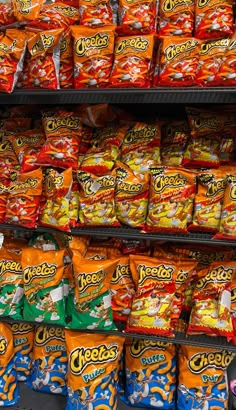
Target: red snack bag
[
  {"x": 66, "y": 62},
  {"x": 233, "y": 307},
  {"x": 137, "y": 17},
  {"x": 8, "y": 161},
  {"x": 226, "y": 74},
  {"x": 7, "y": 17},
  {"x": 96, "y": 13},
  {"x": 108, "y": 136},
  {"x": 23, "y": 79},
  {"x": 177, "y": 62},
  {"x": 15, "y": 124},
  {"x": 228, "y": 214},
  {"x": 213, "y": 19},
  {"x": 153, "y": 300},
  {"x": 100, "y": 161},
  {"x": 174, "y": 137},
  {"x": 28, "y": 10},
  {"x": 212, "y": 54},
  {"x": 3, "y": 199},
  {"x": 55, "y": 16},
  {"x": 93, "y": 55},
  {"x": 24, "y": 198},
  {"x": 44, "y": 48},
  {"x": 133, "y": 61},
  {"x": 26, "y": 146},
  {"x": 12, "y": 50},
  {"x": 176, "y": 18},
  {"x": 74, "y": 204},
  {"x": 212, "y": 299},
  {"x": 95, "y": 116}
]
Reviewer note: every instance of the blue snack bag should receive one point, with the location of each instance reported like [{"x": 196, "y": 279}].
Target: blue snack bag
[
  {"x": 23, "y": 339},
  {"x": 9, "y": 393}
]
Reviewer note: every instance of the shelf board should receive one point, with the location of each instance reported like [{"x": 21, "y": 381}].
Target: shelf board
[{"x": 163, "y": 95}]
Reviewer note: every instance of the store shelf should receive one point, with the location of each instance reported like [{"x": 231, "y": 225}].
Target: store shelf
[{"x": 123, "y": 96}]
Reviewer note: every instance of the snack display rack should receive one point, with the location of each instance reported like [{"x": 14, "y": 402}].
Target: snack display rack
[{"x": 30, "y": 400}]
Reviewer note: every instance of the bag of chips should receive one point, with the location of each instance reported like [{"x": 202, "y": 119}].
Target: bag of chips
[
  {"x": 23, "y": 336},
  {"x": 131, "y": 196},
  {"x": 202, "y": 378},
  {"x": 212, "y": 19},
  {"x": 66, "y": 61},
  {"x": 100, "y": 161},
  {"x": 3, "y": 199},
  {"x": 7, "y": 17},
  {"x": 96, "y": 13},
  {"x": 44, "y": 48},
  {"x": 228, "y": 214},
  {"x": 49, "y": 368},
  {"x": 150, "y": 374},
  {"x": 137, "y": 17},
  {"x": 176, "y": 18},
  {"x": 26, "y": 10},
  {"x": 153, "y": 301},
  {"x": 177, "y": 62},
  {"x": 133, "y": 61},
  {"x": 171, "y": 196},
  {"x": 97, "y": 203},
  {"x": 26, "y": 146},
  {"x": 174, "y": 137},
  {"x": 96, "y": 116},
  {"x": 211, "y": 301},
  {"x": 93, "y": 55},
  {"x": 9, "y": 393},
  {"x": 92, "y": 301},
  {"x": 8, "y": 160},
  {"x": 55, "y": 16},
  {"x": 226, "y": 74},
  {"x": 212, "y": 54},
  {"x": 43, "y": 286},
  {"x": 92, "y": 370},
  {"x": 12, "y": 51}
]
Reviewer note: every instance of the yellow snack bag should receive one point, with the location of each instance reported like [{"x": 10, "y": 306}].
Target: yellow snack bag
[
  {"x": 92, "y": 370},
  {"x": 23, "y": 336},
  {"x": 9, "y": 393}
]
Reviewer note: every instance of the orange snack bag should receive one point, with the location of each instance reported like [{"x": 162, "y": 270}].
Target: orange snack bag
[
  {"x": 26, "y": 146},
  {"x": 97, "y": 252},
  {"x": 23, "y": 335},
  {"x": 226, "y": 74},
  {"x": 97, "y": 199},
  {"x": 61, "y": 123},
  {"x": 176, "y": 18},
  {"x": 174, "y": 137},
  {"x": 55, "y": 16},
  {"x": 44, "y": 48},
  {"x": 96, "y": 13},
  {"x": 8, "y": 160},
  {"x": 153, "y": 300},
  {"x": 24, "y": 198},
  {"x": 66, "y": 61},
  {"x": 95, "y": 116},
  {"x": 131, "y": 196},
  {"x": 100, "y": 161},
  {"x": 212, "y": 54},
  {"x": 12, "y": 50},
  {"x": 27, "y": 10},
  {"x": 171, "y": 196},
  {"x": 78, "y": 243},
  {"x": 228, "y": 214},
  {"x": 7, "y": 17},
  {"x": 110, "y": 135},
  {"x": 133, "y": 61},
  {"x": 137, "y": 17},
  {"x": 9, "y": 393},
  {"x": 213, "y": 19},
  {"x": 211, "y": 301},
  {"x": 93, "y": 55},
  {"x": 177, "y": 62}
]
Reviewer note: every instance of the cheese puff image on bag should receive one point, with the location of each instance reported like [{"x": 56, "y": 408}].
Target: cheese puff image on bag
[
  {"x": 171, "y": 196},
  {"x": 49, "y": 370},
  {"x": 55, "y": 16},
  {"x": 202, "y": 378},
  {"x": 26, "y": 146},
  {"x": 92, "y": 299},
  {"x": 93, "y": 55},
  {"x": 137, "y": 17},
  {"x": 92, "y": 370},
  {"x": 96, "y": 13},
  {"x": 43, "y": 286},
  {"x": 213, "y": 19},
  {"x": 212, "y": 54},
  {"x": 177, "y": 62},
  {"x": 150, "y": 374},
  {"x": 133, "y": 61},
  {"x": 23, "y": 335},
  {"x": 96, "y": 198},
  {"x": 174, "y": 137},
  {"x": 176, "y": 18},
  {"x": 9, "y": 393},
  {"x": 211, "y": 301},
  {"x": 25, "y": 11},
  {"x": 228, "y": 214},
  {"x": 153, "y": 300},
  {"x": 226, "y": 73}
]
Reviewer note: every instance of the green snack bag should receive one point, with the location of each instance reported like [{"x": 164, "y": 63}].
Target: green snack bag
[{"x": 43, "y": 286}]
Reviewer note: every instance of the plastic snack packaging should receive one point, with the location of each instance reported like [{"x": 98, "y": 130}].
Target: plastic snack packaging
[
  {"x": 13, "y": 46},
  {"x": 43, "y": 286},
  {"x": 212, "y": 54},
  {"x": 141, "y": 146},
  {"x": 97, "y": 252},
  {"x": 9, "y": 394},
  {"x": 100, "y": 161},
  {"x": 78, "y": 243},
  {"x": 96, "y": 13},
  {"x": 96, "y": 116},
  {"x": 131, "y": 196},
  {"x": 97, "y": 203},
  {"x": 233, "y": 308},
  {"x": 24, "y": 199},
  {"x": 55, "y": 16},
  {"x": 228, "y": 214},
  {"x": 44, "y": 48},
  {"x": 23, "y": 336},
  {"x": 26, "y": 10},
  {"x": 150, "y": 365},
  {"x": 3, "y": 199},
  {"x": 74, "y": 204},
  {"x": 11, "y": 283},
  {"x": 7, "y": 17},
  {"x": 211, "y": 301},
  {"x": 176, "y": 18},
  {"x": 92, "y": 370},
  {"x": 202, "y": 378},
  {"x": 92, "y": 302},
  {"x": 226, "y": 73},
  {"x": 213, "y": 20},
  {"x": 26, "y": 146},
  {"x": 122, "y": 286},
  {"x": 93, "y": 55},
  {"x": 172, "y": 191},
  {"x": 66, "y": 61},
  {"x": 137, "y": 17},
  {"x": 110, "y": 135},
  {"x": 133, "y": 61},
  {"x": 154, "y": 281},
  {"x": 49, "y": 361},
  {"x": 177, "y": 62},
  {"x": 174, "y": 137},
  {"x": 8, "y": 160}
]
